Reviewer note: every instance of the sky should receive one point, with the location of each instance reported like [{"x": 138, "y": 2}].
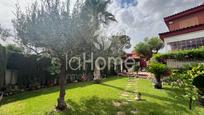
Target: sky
[{"x": 135, "y": 18}]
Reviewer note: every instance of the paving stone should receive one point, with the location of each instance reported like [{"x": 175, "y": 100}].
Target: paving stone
[
  {"x": 125, "y": 103},
  {"x": 116, "y": 104},
  {"x": 125, "y": 95},
  {"x": 133, "y": 111},
  {"x": 121, "y": 113},
  {"x": 129, "y": 100}
]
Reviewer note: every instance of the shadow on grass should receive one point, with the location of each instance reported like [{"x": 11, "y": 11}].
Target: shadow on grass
[
  {"x": 98, "y": 106},
  {"x": 177, "y": 94},
  {"x": 45, "y": 91},
  {"x": 174, "y": 101},
  {"x": 119, "y": 88}
]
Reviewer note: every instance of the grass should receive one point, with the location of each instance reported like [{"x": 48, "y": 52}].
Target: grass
[{"x": 97, "y": 99}]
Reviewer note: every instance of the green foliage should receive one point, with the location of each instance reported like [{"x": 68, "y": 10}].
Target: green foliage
[
  {"x": 185, "y": 80},
  {"x": 157, "y": 69},
  {"x": 3, "y": 60},
  {"x": 54, "y": 68},
  {"x": 149, "y": 47},
  {"x": 199, "y": 82},
  {"x": 136, "y": 68},
  {"x": 198, "y": 73},
  {"x": 31, "y": 69},
  {"x": 197, "y": 70},
  {"x": 197, "y": 54}
]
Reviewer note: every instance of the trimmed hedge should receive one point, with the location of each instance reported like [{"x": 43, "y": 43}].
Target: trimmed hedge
[
  {"x": 32, "y": 69},
  {"x": 194, "y": 54},
  {"x": 2, "y": 64}
]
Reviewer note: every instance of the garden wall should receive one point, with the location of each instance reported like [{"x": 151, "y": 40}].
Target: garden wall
[{"x": 173, "y": 63}]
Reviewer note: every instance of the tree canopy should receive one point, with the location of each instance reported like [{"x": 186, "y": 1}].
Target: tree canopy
[
  {"x": 51, "y": 27},
  {"x": 149, "y": 47}
]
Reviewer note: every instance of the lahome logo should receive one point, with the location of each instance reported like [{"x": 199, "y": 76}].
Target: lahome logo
[{"x": 79, "y": 63}]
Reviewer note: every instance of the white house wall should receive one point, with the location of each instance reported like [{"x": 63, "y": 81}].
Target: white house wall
[{"x": 187, "y": 36}]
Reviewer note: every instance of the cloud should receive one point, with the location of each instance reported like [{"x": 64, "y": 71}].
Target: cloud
[
  {"x": 138, "y": 19},
  {"x": 146, "y": 18}
]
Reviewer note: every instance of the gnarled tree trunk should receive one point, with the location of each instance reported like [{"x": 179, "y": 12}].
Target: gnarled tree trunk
[{"x": 61, "y": 102}]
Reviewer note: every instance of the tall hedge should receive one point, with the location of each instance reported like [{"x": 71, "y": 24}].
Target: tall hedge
[
  {"x": 31, "y": 69},
  {"x": 2, "y": 65},
  {"x": 195, "y": 54}
]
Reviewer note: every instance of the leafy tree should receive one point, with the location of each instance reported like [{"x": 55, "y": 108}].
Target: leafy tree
[
  {"x": 98, "y": 10},
  {"x": 52, "y": 29},
  {"x": 149, "y": 47}
]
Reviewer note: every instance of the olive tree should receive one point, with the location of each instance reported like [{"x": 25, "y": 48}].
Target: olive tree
[
  {"x": 149, "y": 47},
  {"x": 50, "y": 27}
]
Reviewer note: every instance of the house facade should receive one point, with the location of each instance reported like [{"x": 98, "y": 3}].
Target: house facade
[{"x": 186, "y": 29}]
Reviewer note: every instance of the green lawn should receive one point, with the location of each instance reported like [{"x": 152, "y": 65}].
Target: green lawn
[{"x": 89, "y": 99}]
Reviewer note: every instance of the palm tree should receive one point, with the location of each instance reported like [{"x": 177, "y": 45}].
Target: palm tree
[{"x": 98, "y": 12}]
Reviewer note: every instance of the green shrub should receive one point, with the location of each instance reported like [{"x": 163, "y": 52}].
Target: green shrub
[
  {"x": 197, "y": 54},
  {"x": 136, "y": 68},
  {"x": 189, "y": 78},
  {"x": 199, "y": 81},
  {"x": 158, "y": 70}
]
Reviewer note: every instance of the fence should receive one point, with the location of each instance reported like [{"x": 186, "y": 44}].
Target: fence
[{"x": 173, "y": 63}]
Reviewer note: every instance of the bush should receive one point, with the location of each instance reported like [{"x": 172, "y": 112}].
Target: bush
[
  {"x": 189, "y": 79},
  {"x": 199, "y": 81},
  {"x": 158, "y": 70},
  {"x": 197, "y": 54},
  {"x": 136, "y": 68}
]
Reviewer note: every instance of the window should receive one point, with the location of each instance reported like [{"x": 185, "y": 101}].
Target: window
[{"x": 187, "y": 44}]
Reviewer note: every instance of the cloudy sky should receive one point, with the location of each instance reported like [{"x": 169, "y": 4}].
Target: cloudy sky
[{"x": 136, "y": 18}]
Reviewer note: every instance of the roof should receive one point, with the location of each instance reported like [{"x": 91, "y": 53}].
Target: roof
[
  {"x": 182, "y": 31},
  {"x": 184, "y": 13},
  {"x": 133, "y": 54}
]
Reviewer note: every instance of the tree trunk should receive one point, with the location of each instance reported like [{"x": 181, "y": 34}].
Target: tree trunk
[
  {"x": 97, "y": 74},
  {"x": 158, "y": 83},
  {"x": 190, "y": 103},
  {"x": 61, "y": 102}
]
